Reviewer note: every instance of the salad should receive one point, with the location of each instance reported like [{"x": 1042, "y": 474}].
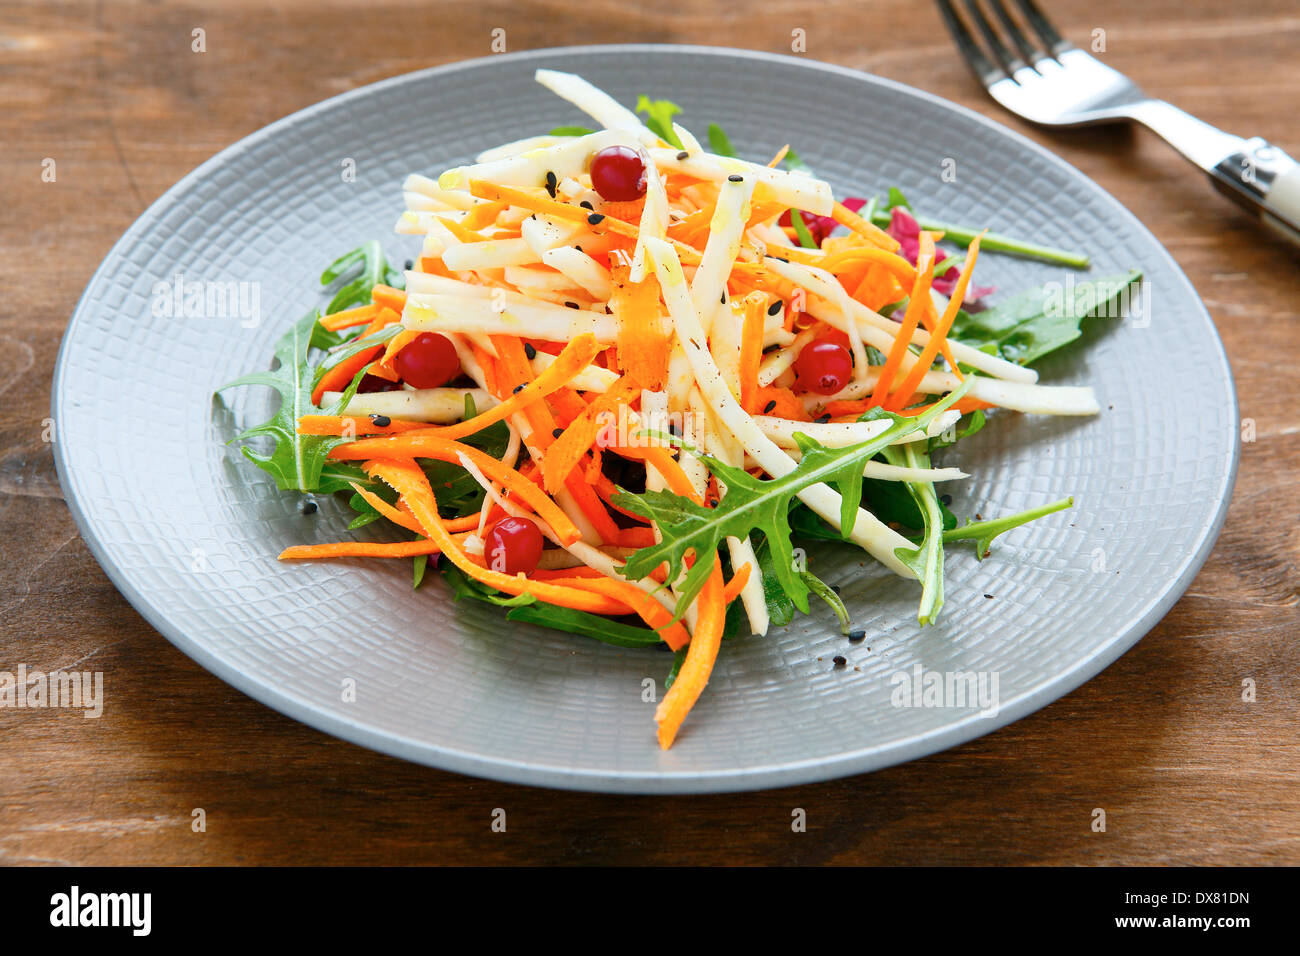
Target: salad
[{"x": 630, "y": 376}]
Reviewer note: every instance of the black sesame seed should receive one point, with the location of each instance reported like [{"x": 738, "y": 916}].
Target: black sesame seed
[
  {"x": 594, "y": 218},
  {"x": 586, "y": 204},
  {"x": 530, "y": 350},
  {"x": 683, "y": 155},
  {"x": 572, "y": 305},
  {"x": 857, "y": 634},
  {"x": 735, "y": 178},
  {"x": 839, "y": 661},
  {"x": 776, "y": 307},
  {"x": 557, "y": 432},
  {"x": 383, "y": 421},
  {"x": 551, "y": 183},
  {"x": 769, "y": 406}
]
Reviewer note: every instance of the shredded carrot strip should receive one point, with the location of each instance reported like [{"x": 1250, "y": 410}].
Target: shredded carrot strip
[
  {"x": 736, "y": 584},
  {"x": 867, "y": 230},
  {"x": 349, "y": 317},
  {"x": 420, "y": 445},
  {"x": 340, "y": 376},
  {"x": 918, "y": 302},
  {"x": 584, "y": 496},
  {"x": 567, "y": 450},
  {"x": 576, "y": 356},
  {"x": 644, "y": 339},
  {"x": 386, "y": 295},
  {"x": 937, "y": 336},
  {"x": 409, "y": 480},
  {"x": 646, "y": 607},
  {"x": 355, "y": 425}
]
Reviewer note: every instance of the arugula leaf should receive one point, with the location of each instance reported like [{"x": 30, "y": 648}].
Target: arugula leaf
[
  {"x": 297, "y": 462},
  {"x": 756, "y": 504},
  {"x": 1028, "y": 326},
  {"x": 586, "y": 625},
  {"x": 719, "y": 142},
  {"x": 659, "y": 118},
  {"x": 824, "y": 591},
  {"x": 983, "y": 532},
  {"x": 571, "y": 131}
]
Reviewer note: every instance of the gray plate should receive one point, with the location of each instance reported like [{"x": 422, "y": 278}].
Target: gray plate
[{"x": 189, "y": 532}]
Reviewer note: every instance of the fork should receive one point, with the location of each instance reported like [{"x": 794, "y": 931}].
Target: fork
[{"x": 1047, "y": 80}]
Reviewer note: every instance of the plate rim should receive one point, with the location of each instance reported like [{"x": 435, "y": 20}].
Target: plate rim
[{"x": 760, "y": 777}]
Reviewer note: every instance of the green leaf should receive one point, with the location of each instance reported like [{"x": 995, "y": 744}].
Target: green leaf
[
  {"x": 659, "y": 118},
  {"x": 586, "y": 625},
  {"x": 801, "y": 230},
  {"x": 572, "y": 131},
  {"x": 718, "y": 141},
  {"x": 1028, "y": 326},
  {"x": 297, "y": 462},
  {"x": 824, "y": 591},
  {"x": 983, "y": 532},
  {"x": 756, "y": 504}
]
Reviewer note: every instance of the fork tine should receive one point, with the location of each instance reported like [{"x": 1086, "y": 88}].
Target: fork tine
[
  {"x": 1028, "y": 50},
  {"x": 985, "y": 70},
  {"x": 1010, "y": 62},
  {"x": 1056, "y": 44}
]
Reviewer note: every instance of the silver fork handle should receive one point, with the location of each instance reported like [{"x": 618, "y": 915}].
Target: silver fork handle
[{"x": 1254, "y": 173}]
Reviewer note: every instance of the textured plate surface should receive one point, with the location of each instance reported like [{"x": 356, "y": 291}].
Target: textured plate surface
[{"x": 189, "y": 531}]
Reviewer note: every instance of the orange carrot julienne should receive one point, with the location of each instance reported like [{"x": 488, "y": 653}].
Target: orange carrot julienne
[
  {"x": 938, "y": 336},
  {"x": 736, "y": 584},
  {"x": 349, "y": 317},
  {"x": 566, "y": 451},
  {"x": 917, "y": 303},
  {"x": 409, "y": 481},
  {"x": 421, "y": 445}
]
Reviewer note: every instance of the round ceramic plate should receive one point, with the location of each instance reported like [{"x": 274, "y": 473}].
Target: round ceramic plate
[{"x": 189, "y": 531}]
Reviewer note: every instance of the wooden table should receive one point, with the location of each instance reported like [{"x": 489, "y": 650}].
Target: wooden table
[{"x": 1186, "y": 771}]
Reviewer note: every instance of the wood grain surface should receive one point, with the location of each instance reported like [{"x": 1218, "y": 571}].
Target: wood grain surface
[{"x": 1186, "y": 771}]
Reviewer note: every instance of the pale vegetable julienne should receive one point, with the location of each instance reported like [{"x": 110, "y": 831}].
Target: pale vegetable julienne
[{"x": 603, "y": 333}]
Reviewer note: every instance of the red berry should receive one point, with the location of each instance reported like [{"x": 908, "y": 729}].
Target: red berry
[
  {"x": 513, "y": 545},
  {"x": 824, "y": 367},
  {"x": 427, "y": 361},
  {"x": 618, "y": 174}
]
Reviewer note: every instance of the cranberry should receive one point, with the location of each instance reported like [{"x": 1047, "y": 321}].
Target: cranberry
[
  {"x": 513, "y": 545},
  {"x": 427, "y": 361},
  {"x": 618, "y": 174},
  {"x": 824, "y": 367}
]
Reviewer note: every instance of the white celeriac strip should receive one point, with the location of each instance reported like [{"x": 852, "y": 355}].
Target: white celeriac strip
[
  {"x": 581, "y": 269},
  {"x": 446, "y": 198},
  {"x": 594, "y": 101},
  {"x": 654, "y": 220},
  {"x": 506, "y": 150},
  {"x": 868, "y": 532},
  {"x": 441, "y": 406},
  {"x": 723, "y": 447},
  {"x": 1017, "y": 396},
  {"x": 821, "y": 303},
  {"x": 709, "y": 286},
  {"x": 801, "y": 192},
  {"x": 538, "y": 320},
  {"x": 529, "y": 169}
]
